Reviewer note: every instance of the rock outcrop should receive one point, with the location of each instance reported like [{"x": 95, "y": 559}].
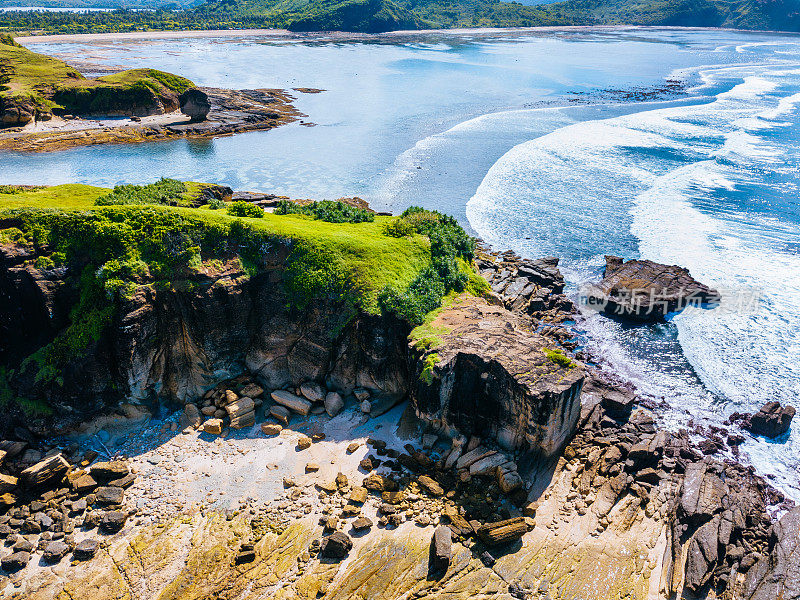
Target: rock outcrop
[
  {"x": 485, "y": 373},
  {"x": 772, "y": 420},
  {"x": 195, "y": 104},
  {"x": 643, "y": 290}
]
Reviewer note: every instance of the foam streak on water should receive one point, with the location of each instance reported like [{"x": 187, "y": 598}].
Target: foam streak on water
[{"x": 712, "y": 187}]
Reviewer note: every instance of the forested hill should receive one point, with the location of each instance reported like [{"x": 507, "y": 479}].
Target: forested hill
[{"x": 371, "y": 16}]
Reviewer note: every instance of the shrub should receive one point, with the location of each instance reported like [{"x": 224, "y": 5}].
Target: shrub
[
  {"x": 558, "y": 357},
  {"x": 165, "y": 191},
  {"x": 216, "y": 204},
  {"x": 245, "y": 209},
  {"x": 331, "y": 211},
  {"x": 451, "y": 249}
]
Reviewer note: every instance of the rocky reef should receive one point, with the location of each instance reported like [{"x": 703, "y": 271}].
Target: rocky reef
[{"x": 643, "y": 290}]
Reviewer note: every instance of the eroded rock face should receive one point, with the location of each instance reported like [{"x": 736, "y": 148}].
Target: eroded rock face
[
  {"x": 644, "y": 290},
  {"x": 175, "y": 345},
  {"x": 777, "y": 575},
  {"x": 195, "y": 104},
  {"x": 490, "y": 376}
]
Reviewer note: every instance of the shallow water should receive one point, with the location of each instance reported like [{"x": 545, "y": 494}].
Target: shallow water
[{"x": 526, "y": 138}]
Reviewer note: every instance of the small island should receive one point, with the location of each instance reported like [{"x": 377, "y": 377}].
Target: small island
[{"x": 47, "y": 105}]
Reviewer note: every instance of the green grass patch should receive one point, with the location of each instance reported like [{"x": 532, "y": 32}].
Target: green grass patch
[
  {"x": 558, "y": 357},
  {"x": 428, "y": 366},
  {"x": 427, "y": 336},
  {"x": 70, "y": 196}
]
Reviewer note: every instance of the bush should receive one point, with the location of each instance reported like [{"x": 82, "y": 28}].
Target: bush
[
  {"x": 245, "y": 209},
  {"x": 216, "y": 204},
  {"x": 451, "y": 248},
  {"x": 331, "y": 211},
  {"x": 169, "y": 192}
]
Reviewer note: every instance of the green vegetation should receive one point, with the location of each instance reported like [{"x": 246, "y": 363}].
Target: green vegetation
[
  {"x": 245, "y": 209},
  {"x": 331, "y": 211},
  {"x": 451, "y": 251},
  {"x": 558, "y": 357},
  {"x": 168, "y": 192},
  {"x": 39, "y": 85},
  {"x": 388, "y": 15},
  {"x": 428, "y": 365}
]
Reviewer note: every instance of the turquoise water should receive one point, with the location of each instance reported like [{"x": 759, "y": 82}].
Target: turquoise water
[{"x": 528, "y": 139}]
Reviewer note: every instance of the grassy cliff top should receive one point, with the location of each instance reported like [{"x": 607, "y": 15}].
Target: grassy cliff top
[
  {"x": 38, "y": 79},
  {"x": 362, "y": 254}
]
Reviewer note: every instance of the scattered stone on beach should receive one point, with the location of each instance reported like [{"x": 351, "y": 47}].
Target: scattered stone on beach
[
  {"x": 430, "y": 485},
  {"x": 106, "y": 471},
  {"x": 303, "y": 442},
  {"x": 86, "y": 549},
  {"x": 113, "y": 521},
  {"x": 353, "y": 446},
  {"x": 271, "y": 429},
  {"x": 15, "y": 561},
  {"x": 280, "y": 413},
  {"x": 333, "y": 403},
  {"x": 51, "y": 468},
  {"x": 292, "y": 402},
  {"x": 191, "y": 416},
  {"x": 312, "y": 391},
  {"x": 503, "y": 532},
  {"x": 358, "y": 495},
  {"x": 55, "y": 551},
  {"x": 362, "y": 524},
  {"x": 366, "y": 407},
  {"x": 336, "y": 545},
  {"x": 110, "y": 495},
  {"x": 252, "y": 390},
  {"x": 242, "y": 413},
  {"x": 213, "y": 426},
  {"x": 312, "y": 467}
]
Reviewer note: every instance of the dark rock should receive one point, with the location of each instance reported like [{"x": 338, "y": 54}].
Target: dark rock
[
  {"x": 643, "y": 290},
  {"x": 245, "y": 556},
  {"x": 772, "y": 420},
  {"x": 50, "y": 469},
  {"x": 86, "y": 549},
  {"x": 336, "y": 545},
  {"x": 503, "y": 532},
  {"x": 113, "y": 521},
  {"x": 362, "y": 524},
  {"x": 106, "y": 471},
  {"x": 110, "y": 495},
  {"x": 195, "y": 104},
  {"x": 442, "y": 547},
  {"x": 55, "y": 551},
  {"x": 15, "y": 561}
]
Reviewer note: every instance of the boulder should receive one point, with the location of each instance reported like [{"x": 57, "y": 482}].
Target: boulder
[
  {"x": 86, "y": 549},
  {"x": 271, "y": 429},
  {"x": 702, "y": 494},
  {"x": 110, "y": 495},
  {"x": 509, "y": 481},
  {"x": 52, "y": 468},
  {"x": 191, "y": 416},
  {"x": 772, "y": 420},
  {"x": 195, "y": 104},
  {"x": 358, "y": 495},
  {"x": 336, "y": 545},
  {"x": 8, "y": 483},
  {"x": 251, "y": 390},
  {"x": 292, "y": 402},
  {"x": 643, "y": 290},
  {"x": 242, "y": 413},
  {"x": 503, "y": 532},
  {"x": 280, "y": 413},
  {"x": 113, "y": 521},
  {"x": 333, "y": 403},
  {"x": 313, "y": 391},
  {"x": 55, "y": 551},
  {"x": 15, "y": 561},
  {"x": 303, "y": 442},
  {"x": 441, "y": 547},
  {"x": 213, "y": 426},
  {"x": 430, "y": 485},
  {"x": 362, "y": 524},
  {"x": 106, "y": 471}
]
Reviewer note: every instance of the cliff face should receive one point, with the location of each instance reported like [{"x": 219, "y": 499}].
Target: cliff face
[
  {"x": 172, "y": 345},
  {"x": 489, "y": 375}
]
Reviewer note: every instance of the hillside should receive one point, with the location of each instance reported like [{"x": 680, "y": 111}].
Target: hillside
[{"x": 372, "y": 16}]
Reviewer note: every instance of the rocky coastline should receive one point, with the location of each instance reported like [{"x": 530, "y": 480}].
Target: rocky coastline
[
  {"x": 476, "y": 455},
  {"x": 231, "y": 112}
]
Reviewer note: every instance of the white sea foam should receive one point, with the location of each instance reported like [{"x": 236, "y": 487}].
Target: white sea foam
[{"x": 594, "y": 178}]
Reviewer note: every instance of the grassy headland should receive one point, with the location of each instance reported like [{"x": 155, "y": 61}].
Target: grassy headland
[{"x": 35, "y": 86}]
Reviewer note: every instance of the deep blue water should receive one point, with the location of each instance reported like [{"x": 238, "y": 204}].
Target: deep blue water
[{"x": 527, "y": 139}]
